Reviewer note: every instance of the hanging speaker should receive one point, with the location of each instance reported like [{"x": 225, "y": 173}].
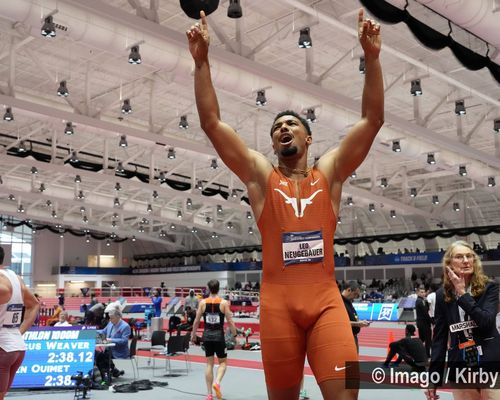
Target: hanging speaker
[{"x": 192, "y": 8}]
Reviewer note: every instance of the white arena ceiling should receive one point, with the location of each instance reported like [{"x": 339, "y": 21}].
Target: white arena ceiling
[{"x": 258, "y": 51}]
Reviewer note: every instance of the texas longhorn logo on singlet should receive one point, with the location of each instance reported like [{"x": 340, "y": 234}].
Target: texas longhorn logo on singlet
[{"x": 293, "y": 201}]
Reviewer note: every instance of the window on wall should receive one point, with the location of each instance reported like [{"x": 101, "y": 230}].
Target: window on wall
[{"x": 20, "y": 240}]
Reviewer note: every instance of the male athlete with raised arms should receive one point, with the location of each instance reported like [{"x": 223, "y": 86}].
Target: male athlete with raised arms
[{"x": 296, "y": 208}]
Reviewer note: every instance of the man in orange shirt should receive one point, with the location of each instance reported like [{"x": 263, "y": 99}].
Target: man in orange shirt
[{"x": 296, "y": 207}]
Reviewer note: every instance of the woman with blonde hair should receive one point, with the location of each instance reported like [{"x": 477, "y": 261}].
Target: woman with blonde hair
[{"x": 465, "y": 328}]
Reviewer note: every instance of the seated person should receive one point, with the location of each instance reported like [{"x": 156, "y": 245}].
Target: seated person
[
  {"x": 63, "y": 319},
  {"x": 117, "y": 331},
  {"x": 189, "y": 317},
  {"x": 409, "y": 349},
  {"x": 55, "y": 317}
]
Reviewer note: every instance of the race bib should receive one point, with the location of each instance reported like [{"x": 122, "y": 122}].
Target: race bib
[
  {"x": 302, "y": 247},
  {"x": 213, "y": 319},
  {"x": 13, "y": 316}
]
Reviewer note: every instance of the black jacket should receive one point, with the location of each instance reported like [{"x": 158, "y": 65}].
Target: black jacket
[{"x": 482, "y": 310}]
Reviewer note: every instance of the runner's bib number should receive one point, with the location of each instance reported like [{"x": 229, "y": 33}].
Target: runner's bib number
[
  {"x": 13, "y": 315},
  {"x": 213, "y": 318},
  {"x": 302, "y": 247}
]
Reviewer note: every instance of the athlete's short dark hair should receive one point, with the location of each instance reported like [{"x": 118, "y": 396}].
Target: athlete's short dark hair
[
  {"x": 2, "y": 255},
  {"x": 296, "y": 115},
  {"x": 213, "y": 286}
]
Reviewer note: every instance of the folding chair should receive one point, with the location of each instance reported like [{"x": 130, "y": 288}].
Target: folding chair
[
  {"x": 158, "y": 343},
  {"x": 133, "y": 358},
  {"x": 176, "y": 346}
]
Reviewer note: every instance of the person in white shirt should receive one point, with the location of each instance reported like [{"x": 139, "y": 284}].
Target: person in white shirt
[
  {"x": 431, "y": 299},
  {"x": 63, "y": 319},
  {"x": 14, "y": 295}
]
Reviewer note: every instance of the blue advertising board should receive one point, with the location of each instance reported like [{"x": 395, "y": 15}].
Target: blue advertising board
[
  {"x": 377, "y": 311},
  {"x": 54, "y": 354}
]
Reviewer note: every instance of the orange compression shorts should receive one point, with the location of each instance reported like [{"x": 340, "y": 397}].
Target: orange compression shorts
[{"x": 296, "y": 320}]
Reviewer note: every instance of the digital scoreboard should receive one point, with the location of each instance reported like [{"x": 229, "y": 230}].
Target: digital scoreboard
[{"x": 54, "y": 354}]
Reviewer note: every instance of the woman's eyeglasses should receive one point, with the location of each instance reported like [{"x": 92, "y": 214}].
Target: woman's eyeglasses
[{"x": 460, "y": 257}]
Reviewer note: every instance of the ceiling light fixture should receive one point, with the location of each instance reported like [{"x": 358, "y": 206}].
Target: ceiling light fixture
[
  {"x": 118, "y": 187},
  {"x": 183, "y": 122},
  {"x": 69, "y": 130},
  {"x": 134, "y": 56},
  {"x": 462, "y": 170},
  {"x": 119, "y": 167},
  {"x": 199, "y": 184},
  {"x": 22, "y": 147},
  {"x": 416, "y": 88},
  {"x": 460, "y": 107},
  {"x": 219, "y": 209},
  {"x": 234, "y": 193},
  {"x": 354, "y": 174},
  {"x": 49, "y": 27},
  {"x": 250, "y": 230},
  {"x": 116, "y": 202},
  {"x": 126, "y": 107},
  {"x": 8, "y": 116},
  {"x": 20, "y": 208},
  {"x": 413, "y": 192},
  {"x": 62, "y": 90},
  {"x": 123, "y": 141},
  {"x": 383, "y": 182},
  {"x": 456, "y": 206},
  {"x": 311, "y": 115},
  {"x": 74, "y": 157},
  {"x": 179, "y": 214},
  {"x": 81, "y": 195},
  {"x": 189, "y": 203},
  {"x": 155, "y": 194},
  {"x": 431, "y": 159},
  {"x": 491, "y": 181},
  {"x": 339, "y": 220},
  {"x": 361, "y": 67},
  {"x": 349, "y": 201},
  {"x": 249, "y": 215},
  {"x": 393, "y": 213},
  {"x": 261, "y": 98},
  {"x": 42, "y": 188},
  {"x": 371, "y": 207},
  {"x": 396, "y": 147},
  {"x": 171, "y": 153},
  {"x": 213, "y": 163},
  {"x": 162, "y": 178},
  {"x": 435, "y": 199},
  {"x": 34, "y": 170},
  {"x": 496, "y": 124},
  {"x": 234, "y": 10},
  {"x": 305, "y": 41}
]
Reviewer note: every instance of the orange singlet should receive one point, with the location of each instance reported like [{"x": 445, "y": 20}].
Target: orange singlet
[{"x": 301, "y": 307}]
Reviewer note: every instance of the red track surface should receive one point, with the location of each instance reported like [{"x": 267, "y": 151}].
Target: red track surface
[{"x": 368, "y": 337}]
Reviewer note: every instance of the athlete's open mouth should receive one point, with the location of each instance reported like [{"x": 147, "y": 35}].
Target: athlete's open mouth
[{"x": 286, "y": 138}]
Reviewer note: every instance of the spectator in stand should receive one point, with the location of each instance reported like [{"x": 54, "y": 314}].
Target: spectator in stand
[
  {"x": 55, "y": 316},
  {"x": 410, "y": 350},
  {"x": 63, "y": 319},
  {"x": 60, "y": 298},
  {"x": 191, "y": 300},
  {"x": 93, "y": 300},
  {"x": 187, "y": 324},
  {"x": 237, "y": 285},
  {"x": 157, "y": 299},
  {"x": 423, "y": 319}
]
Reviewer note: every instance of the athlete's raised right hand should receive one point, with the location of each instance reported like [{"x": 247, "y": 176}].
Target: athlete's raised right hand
[{"x": 199, "y": 39}]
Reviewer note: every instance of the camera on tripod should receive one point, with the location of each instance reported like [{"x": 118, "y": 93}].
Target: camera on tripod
[{"x": 83, "y": 383}]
